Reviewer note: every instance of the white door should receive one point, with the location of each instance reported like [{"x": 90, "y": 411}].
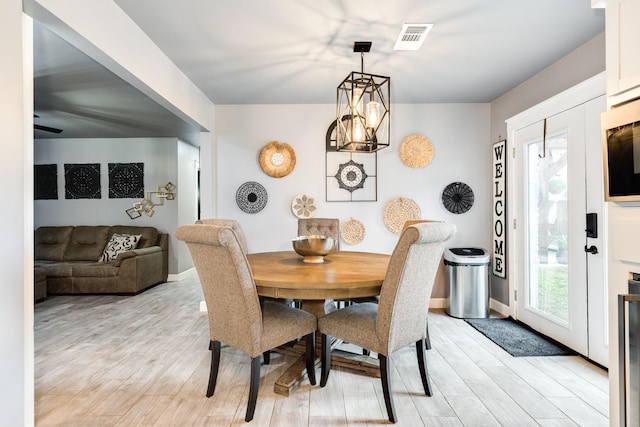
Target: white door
[{"x": 560, "y": 286}]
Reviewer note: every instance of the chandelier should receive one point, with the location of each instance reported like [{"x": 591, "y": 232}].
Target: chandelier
[{"x": 363, "y": 109}]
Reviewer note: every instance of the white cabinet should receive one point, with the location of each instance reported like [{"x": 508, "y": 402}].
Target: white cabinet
[{"x": 623, "y": 50}]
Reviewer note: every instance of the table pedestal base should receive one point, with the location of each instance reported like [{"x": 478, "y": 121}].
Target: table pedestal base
[{"x": 296, "y": 373}]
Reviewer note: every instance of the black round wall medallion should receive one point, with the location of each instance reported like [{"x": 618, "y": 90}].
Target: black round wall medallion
[
  {"x": 351, "y": 176},
  {"x": 251, "y": 197},
  {"x": 457, "y": 197}
]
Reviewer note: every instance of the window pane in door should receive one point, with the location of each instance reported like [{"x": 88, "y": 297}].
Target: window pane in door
[{"x": 547, "y": 230}]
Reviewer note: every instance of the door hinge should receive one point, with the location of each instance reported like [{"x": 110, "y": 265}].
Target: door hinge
[
  {"x": 515, "y": 295},
  {"x": 514, "y": 223},
  {"x": 513, "y": 152}
]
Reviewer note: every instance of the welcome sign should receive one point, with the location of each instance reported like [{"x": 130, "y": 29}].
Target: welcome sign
[{"x": 499, "y": 209}]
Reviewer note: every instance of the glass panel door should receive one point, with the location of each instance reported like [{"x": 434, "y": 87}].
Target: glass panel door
[
  {"x": 547, "y": 230},
  {"x": 552, "y": 285}
]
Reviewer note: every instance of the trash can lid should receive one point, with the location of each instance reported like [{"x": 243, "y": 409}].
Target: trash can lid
[
  {"x": 473, "y": 256},
  {"x": 468, "y": 251}
]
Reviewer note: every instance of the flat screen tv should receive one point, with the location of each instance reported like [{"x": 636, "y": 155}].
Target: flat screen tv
[{"x": 621, "y": 152}]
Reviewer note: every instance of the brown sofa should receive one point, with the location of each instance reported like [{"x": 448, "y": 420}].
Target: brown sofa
[{"x": 70, "y": 257}]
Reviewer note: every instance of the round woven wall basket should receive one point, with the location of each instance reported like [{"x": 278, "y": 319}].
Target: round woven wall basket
[
  {"x": 352, "y": 231},
  {"x": 277, "y": 159},
  {"x": 416, "y": 151},
  {"x": 399, "y": 210}
]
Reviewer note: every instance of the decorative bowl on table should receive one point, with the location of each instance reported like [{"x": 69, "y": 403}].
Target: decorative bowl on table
[{"x": 313, "y": 248}]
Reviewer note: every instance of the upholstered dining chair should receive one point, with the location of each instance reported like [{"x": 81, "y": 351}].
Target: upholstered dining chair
[
  {"x": 400, "y": 317},
  {"x": 235, "y": 227},
  {"x": 232, "y": 224},
  {"x": 236, "y": 316},
  {"x": 329, "y": 227}
]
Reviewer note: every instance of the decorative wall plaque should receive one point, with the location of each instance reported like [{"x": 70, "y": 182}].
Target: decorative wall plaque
[
  {"x": 45, "y": 182},
  {"x": 126, "y": 180},
  {"x": 499, "y": 263},
  {"x": 416, "y": 151},
  {"x": 352, "y": 231},
  {"x": 277, "y": 159},
  {"x": 82, "y": 181},
  {"x": 304, "y": 206},
  {"x": 351, "y": 177},
  {"x": 398, "y": 211},
  {"x": 251, "y": 197},
  {"x": 457, "y": 197}
]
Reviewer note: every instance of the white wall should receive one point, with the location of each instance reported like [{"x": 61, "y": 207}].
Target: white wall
[
  {"x": 165, "y": 160},
  {"x": 16, "y": 252},
  {"x": 459, "y": 133},
  {"x": 187, "y": 213}
]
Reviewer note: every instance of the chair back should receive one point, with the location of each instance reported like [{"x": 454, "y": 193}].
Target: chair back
[
  {"x": 329, "y": 227},
  {"x": 232, "y": 224},
  {"x": 406, "y": 290},
  {"x": 232, "y": 301}
]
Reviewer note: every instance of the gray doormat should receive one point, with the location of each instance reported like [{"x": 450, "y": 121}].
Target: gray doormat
[{"x": 518, "y": 339}]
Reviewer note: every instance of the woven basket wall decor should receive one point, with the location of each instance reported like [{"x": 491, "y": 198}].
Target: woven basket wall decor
[
  {"x": 277, "y": 159},
  {"x": 352, "y": 231},
  {"x": 399, "y": 210},
  {"x": 416, "y": 151}
]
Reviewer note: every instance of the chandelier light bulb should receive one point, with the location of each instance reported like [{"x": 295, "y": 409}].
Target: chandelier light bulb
[
  {"x": 357, "y": 103},
  {"x": 373, "y": 114}
]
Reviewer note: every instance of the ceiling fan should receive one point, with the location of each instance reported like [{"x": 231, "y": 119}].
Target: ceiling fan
[{"x": 45, "y": 128}]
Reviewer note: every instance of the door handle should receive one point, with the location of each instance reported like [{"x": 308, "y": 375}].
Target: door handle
[{"x": 591, "y": 249}]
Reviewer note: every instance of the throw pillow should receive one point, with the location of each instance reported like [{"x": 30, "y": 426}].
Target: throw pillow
[{"x": 117, "y": 244}]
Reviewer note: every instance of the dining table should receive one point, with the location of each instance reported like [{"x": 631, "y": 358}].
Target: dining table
[{"x": 342, "y": 275}]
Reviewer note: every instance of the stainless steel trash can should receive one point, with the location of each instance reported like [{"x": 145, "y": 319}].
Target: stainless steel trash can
[{"x": 467, "y": 293}]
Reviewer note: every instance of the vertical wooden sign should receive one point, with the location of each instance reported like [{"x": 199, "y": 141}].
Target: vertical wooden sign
[{"x": 499, "y": 209}]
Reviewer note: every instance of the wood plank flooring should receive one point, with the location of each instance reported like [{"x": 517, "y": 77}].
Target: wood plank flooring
[{"x": 144, "y": 361}]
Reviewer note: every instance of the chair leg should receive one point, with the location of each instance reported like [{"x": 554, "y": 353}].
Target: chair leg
[
  {"x": 253, "y": 388},
  {"x": 325, "y": 360},
  {"x": 427, "y": 340},
  {"x": 266, "y": 357},
  {"x": 214, "y": 346},
  {"x": 310, "y": 353},
  {"x": 386, "y": 387},
  {"x": 422, "y": 364}
]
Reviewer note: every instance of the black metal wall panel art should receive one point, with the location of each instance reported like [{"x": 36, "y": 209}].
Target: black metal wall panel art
[
  {"x": 126, "y": 180},
  {"x": 45, "y": 182},
  {"x": 82, "y": 181}
]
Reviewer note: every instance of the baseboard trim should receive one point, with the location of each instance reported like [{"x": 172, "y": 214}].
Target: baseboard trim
[
  {"x": 179, "y": 276},
  {"x": 437, "y": 303},
  {"x": 499, "y": 307}
]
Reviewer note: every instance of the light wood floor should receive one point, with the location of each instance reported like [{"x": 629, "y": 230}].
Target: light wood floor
[{"x": 144, "y": 361}]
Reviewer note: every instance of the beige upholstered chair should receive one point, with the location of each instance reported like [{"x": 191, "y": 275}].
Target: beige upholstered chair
[
  {"x": 400, "y": 317},
  {"x": 235, "y": 227},
  {"x": 329, "y": 227},
  {"x": 236, "y": 317},
  {"x": 232, "y": 224}
]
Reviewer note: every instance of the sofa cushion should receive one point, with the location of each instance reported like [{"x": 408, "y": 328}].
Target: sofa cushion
[
  {"x": 50, "y": 243},
  {"x": 117, "y": 244},
  {"x": 87, "y": 243},
  {"x": 149, "y": 234},
  {"x": 96, "y": 269},
  {"x": 57, "y": 269}
]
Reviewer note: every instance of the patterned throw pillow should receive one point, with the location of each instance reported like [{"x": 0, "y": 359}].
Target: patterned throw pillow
[{"x": 119, "y": 243}]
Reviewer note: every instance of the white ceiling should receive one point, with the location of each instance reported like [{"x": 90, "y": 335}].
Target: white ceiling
[{"x": 296, "y": 52}]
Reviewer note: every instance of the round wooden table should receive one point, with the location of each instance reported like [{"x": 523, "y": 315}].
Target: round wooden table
[{"x": 342, "y": 275}]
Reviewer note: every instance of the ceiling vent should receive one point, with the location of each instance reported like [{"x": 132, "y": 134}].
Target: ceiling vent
[{"x": 411, "y": 36}]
